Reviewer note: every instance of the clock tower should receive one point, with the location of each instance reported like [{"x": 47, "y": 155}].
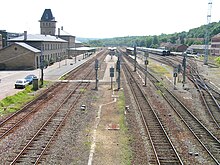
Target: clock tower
[{"x": 47, "y": 23}]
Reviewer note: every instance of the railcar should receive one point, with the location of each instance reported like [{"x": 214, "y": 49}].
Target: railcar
[{"x": 161, "y": 52}]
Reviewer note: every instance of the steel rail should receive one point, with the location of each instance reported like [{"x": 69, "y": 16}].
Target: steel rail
[{"x": 162, "y": 157}]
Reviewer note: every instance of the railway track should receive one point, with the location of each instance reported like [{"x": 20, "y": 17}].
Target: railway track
[
  {"x": 163, "y": 151},
  {"x": 208, "y": 94},
  {"x": 35, "y": 148},
  {"x": 11, "y": 122},
  {"x": 206, "y": 138}
]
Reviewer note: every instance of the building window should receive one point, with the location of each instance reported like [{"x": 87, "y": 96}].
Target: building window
[{"x": 16, "y": 48}]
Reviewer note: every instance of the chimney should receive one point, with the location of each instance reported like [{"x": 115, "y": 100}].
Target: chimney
[
  {"x": 61, "y": 27},
  {"x": 58, "y": 31},
  {"x": 25, "y": 35}
]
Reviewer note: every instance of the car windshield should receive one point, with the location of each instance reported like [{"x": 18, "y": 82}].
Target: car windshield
[
  {"x": 19, "y": 81},
  {"x": 30, "y": 77}
]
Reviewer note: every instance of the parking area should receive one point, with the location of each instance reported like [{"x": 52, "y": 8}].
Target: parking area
[{"x": 54, "y": 72}]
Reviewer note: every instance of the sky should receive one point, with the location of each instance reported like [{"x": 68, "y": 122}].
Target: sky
[{"x": 108, "y": 18}]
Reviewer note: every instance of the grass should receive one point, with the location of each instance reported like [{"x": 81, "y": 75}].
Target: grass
[
  {"x": 124, "y": 139},
  {"x": 217, "y": 60},
  {"x": 160, "y": 69},
  {"x": 214, "y": 59},
  {"x": 15, "y": 102}
]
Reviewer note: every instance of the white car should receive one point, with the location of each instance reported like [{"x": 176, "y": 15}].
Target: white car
[{"x": 21, "y": 83}]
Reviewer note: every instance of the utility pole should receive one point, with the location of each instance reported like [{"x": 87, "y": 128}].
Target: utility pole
[
  {"x": 207, "y": 33},
  {"x": 42, "y": 66}
]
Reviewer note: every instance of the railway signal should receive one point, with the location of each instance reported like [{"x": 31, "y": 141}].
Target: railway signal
[
  {"x": 175, "y": 73},
  {"x": 96, "y": 73},
  {"x": 146, "y": 62},
  {"x": 112, "y": 70},
  {"x": 135, "y": 58},
  {"x": 184, "y": 69},
  {"x": 118, "y": 69}
]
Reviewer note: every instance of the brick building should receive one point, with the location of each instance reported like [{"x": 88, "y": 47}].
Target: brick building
[{"x": 215, "y": 45}]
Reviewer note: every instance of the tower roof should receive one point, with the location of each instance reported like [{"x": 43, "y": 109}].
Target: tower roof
[{"x": 47, "y": 15}]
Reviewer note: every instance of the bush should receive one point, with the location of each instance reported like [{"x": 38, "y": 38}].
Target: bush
[
  {"x": 218, "y": 60},
  {"x": 52, "y": 61}
]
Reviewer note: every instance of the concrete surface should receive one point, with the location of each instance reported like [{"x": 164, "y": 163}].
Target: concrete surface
[{"x": 53, "y": 72}]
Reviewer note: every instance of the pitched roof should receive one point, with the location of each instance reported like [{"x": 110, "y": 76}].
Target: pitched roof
[
  {"x": 47, "y": 15},
  {"x": 198, "y": 47},
  {"x": 63, "y": 33},
  {"x": 216, "y": 36},
  {"x": 83, "y": 48},
  {"x": 28, "y": 47},
  {"x": 77, "y": 42},
  {"x": 37, "y": 37}
]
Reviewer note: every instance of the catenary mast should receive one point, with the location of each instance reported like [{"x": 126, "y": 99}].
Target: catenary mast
[{"x": 207, "y": 32}]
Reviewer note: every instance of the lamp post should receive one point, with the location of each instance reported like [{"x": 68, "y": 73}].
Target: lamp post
[{"x": 42, "y": 66}]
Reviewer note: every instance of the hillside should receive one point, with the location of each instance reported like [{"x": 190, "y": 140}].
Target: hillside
[{"x": 193, "y": 36}]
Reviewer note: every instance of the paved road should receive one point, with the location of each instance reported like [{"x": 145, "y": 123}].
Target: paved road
[{"x": 53, "y": 72}]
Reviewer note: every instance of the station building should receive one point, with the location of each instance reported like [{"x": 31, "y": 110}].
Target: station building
[
  {"x": 51, "y": 48},
  {"x": 27, "y": 51}
]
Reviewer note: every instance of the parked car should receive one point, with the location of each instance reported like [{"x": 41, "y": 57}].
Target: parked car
[
  {"x": 30, "y": 78},
  {"x": 21, "y": 83}
]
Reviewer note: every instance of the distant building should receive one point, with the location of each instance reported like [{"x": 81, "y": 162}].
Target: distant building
[
  {"x": 78, "y": 44},
  {"x": 174, "y": 47},
  {"x": 1, "y": 44},
  {"x": 197, "y": 49},
  {"x": 215, "y": 45},
  {"x": 8, "y": 35},
  {"x": 69, "y": 38},
  {"x": 4, "y": 37}
]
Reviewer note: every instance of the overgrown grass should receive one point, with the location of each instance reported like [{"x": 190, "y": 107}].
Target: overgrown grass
[
  {"x": 159, "y": 69},
  {"x": 217, "y": 60},
  {"x": 13, "y": 103},
  {"x": 213, "y": 59},
  {"x": 124, "y": 139}
]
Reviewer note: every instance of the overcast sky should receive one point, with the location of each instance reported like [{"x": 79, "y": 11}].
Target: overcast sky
[{"x": 108, "y": 18}]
